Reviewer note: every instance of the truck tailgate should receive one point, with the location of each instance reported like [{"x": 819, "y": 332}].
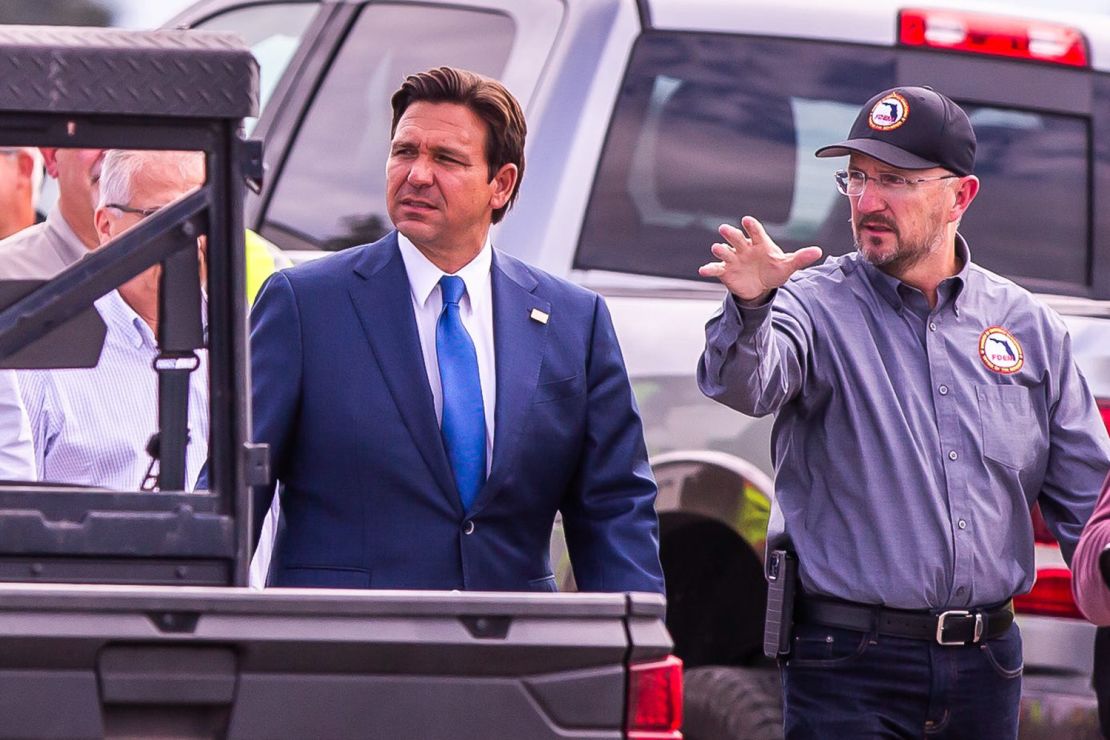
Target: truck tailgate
[{"x": 137, "y": 661}]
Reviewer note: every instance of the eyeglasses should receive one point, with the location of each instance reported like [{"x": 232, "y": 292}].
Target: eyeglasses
[
  {"x": 852, "y": 182},
  {"x": 143, "y": 212}
]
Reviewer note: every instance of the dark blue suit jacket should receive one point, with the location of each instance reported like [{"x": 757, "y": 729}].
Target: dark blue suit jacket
[{"x": 341, "y": 396}]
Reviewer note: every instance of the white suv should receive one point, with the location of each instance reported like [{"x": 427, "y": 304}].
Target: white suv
[{"x": 651, "y": 122}]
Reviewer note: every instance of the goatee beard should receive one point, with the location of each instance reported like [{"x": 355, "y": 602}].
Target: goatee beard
[
  {"x": 876, "y": 259},
  {"x": 903, "y": 256}
]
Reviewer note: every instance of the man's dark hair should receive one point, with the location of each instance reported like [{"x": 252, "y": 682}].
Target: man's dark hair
[{"x": 490, "y": 101}]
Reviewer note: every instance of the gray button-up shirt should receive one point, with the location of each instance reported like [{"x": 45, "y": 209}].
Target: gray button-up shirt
[
  {"x": 41, "y": 251},
  {"x": 910, "y": 443}
]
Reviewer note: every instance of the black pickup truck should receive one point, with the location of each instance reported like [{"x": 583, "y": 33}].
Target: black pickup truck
[{"x": 127, "y": 613}]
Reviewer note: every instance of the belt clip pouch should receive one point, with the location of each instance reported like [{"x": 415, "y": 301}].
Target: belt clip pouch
[{"x": 782, "y": 573}]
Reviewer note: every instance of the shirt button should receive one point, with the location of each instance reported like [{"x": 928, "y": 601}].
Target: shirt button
[
  {"x": 943, "y": 390},
  {"x": 961, "y": 524},
  {"x": 468, "y": 526},
  {"x": 932, "y": 326},
  {"x": 952, "y": 455}
]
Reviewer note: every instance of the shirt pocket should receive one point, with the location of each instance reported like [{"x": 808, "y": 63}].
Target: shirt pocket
[{"x": 1011, "y": 432}]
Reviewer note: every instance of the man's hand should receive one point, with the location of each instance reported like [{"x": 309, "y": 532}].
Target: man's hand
[{"x": 752, "y": 268}]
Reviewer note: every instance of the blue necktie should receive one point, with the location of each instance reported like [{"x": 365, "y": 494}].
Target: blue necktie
[{"x": 464, "y": 417}]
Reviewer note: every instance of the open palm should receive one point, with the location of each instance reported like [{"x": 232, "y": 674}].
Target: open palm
[{"x": 752, "y": 267}]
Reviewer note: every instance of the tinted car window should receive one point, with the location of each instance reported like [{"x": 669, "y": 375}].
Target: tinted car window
[
  {"x": 331, "y": 194},
  {"x": 710, "y": 128},
  {"x": 273, "y": 33}
]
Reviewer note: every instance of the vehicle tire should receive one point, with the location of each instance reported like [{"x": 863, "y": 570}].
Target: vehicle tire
[
  {"x": 716, "y": 593},
  {"x": 724, "y": 703}
]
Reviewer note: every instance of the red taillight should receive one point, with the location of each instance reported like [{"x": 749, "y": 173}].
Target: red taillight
[
  {"x": 993, "y": 35},
  {"x": 1050, "y": 597},
  {"x": 1104, "y": 412},
  {"x": 1042, "y": 535},
  {"x": 655, "y": 700}
]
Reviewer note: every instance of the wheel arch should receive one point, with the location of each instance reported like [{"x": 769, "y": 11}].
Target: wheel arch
[{"x": 713, "y": 513}]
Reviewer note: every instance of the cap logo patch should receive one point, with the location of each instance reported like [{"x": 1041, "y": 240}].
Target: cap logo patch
[
  {"x": 889, "y": 113},
  {"x": 1000, "y": 351}
]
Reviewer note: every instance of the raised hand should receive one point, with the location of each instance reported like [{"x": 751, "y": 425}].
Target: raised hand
[{"x": 752, "y": 268}]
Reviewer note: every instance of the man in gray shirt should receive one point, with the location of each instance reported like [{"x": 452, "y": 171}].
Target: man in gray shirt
[
  {"x": 68, "y": 233},
  {"x": 923, "y": 405}
]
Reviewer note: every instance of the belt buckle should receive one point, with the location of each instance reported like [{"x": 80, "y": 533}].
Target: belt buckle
[{"x": 959, "y": 613}]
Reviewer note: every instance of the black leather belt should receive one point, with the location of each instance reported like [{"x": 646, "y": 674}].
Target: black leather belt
[{"x": 951, "y": 627}]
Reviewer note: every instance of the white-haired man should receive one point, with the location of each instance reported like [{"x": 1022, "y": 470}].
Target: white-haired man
[{"x": 91, "y": 427}]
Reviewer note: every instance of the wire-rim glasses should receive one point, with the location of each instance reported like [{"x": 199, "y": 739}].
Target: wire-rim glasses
[
  {"x": 143, "y": 212},
  {"x": 852, "y": 182}
]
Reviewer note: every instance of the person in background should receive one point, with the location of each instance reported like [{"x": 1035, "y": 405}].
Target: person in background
[
  {"x": 91, "y": 426},
  {"x": 922, "y": 405},
  {"x": 1092, "y": 595},
  {"x": 20, "y": 181},
  {"x": 68, "y": 233},
  {"x": 263, "y": 259}
]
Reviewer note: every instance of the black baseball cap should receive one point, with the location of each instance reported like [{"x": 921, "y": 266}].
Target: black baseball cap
[{"x": 913, "y": 128}]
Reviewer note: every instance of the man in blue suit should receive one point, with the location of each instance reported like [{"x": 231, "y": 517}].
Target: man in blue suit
[{"x": 430, "y": 402}]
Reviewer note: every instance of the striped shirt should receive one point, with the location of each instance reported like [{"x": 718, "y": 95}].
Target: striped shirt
[
  {"x": 17, "y": 457},
  {"x": 91, "y": 426}
]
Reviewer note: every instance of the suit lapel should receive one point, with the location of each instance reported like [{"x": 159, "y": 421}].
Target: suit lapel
[
  {"x": 519, "y": 341},
  {"x": 383, "y": 302}
]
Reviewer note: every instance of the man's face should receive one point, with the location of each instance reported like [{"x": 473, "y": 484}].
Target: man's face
[
  {"x": 149, "y": 191},
  {"x": 152, "y": 188},
  {"x": 438, "y": 190},
  {"x": 16, "y": 191},
  {"x": 896, "y": 228},
  {"x": 77, "y": 172}
]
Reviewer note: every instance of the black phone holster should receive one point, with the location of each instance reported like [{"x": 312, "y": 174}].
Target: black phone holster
[{"x": 782, "y": 577}]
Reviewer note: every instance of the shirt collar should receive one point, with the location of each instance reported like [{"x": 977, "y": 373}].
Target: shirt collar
[
  {"x": 950, "y": 289},
  {"x": 121, "y": 318},
  {"x": 424, "y": 276}
]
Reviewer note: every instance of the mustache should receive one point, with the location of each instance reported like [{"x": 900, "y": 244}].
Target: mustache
[{"x": 877, "y": 220}]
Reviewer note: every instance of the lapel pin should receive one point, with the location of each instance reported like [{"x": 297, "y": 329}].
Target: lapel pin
[{"x": 538, "y": 315}]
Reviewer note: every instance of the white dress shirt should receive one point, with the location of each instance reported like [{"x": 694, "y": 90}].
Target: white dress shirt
[
  {"x": 38, "y": 252},
  {"x": 476, "y": 311},
  {"x": 91, "y": 426},
  {"x": 17, "y": 455}
]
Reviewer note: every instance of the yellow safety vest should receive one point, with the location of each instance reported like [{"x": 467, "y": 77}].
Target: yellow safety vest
[{"x": 263, "y": 259}]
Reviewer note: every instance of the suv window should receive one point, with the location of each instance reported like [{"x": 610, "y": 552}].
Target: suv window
[
  {"x": 331, "y": 194},
  {"x": 710, "y": 128},
  {"x": 273, "y": 33}
]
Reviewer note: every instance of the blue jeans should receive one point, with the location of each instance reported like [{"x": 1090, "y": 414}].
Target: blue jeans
[{"x": 839, "y": 683}]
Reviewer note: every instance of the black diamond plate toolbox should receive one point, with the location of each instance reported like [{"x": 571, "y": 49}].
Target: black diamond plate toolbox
[{"x": 175, "y": 73}]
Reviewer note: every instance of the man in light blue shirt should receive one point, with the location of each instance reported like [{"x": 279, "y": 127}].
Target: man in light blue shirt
[
  {"x": 91, "y": 427},
  {"x": 923, "y": 404}
]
